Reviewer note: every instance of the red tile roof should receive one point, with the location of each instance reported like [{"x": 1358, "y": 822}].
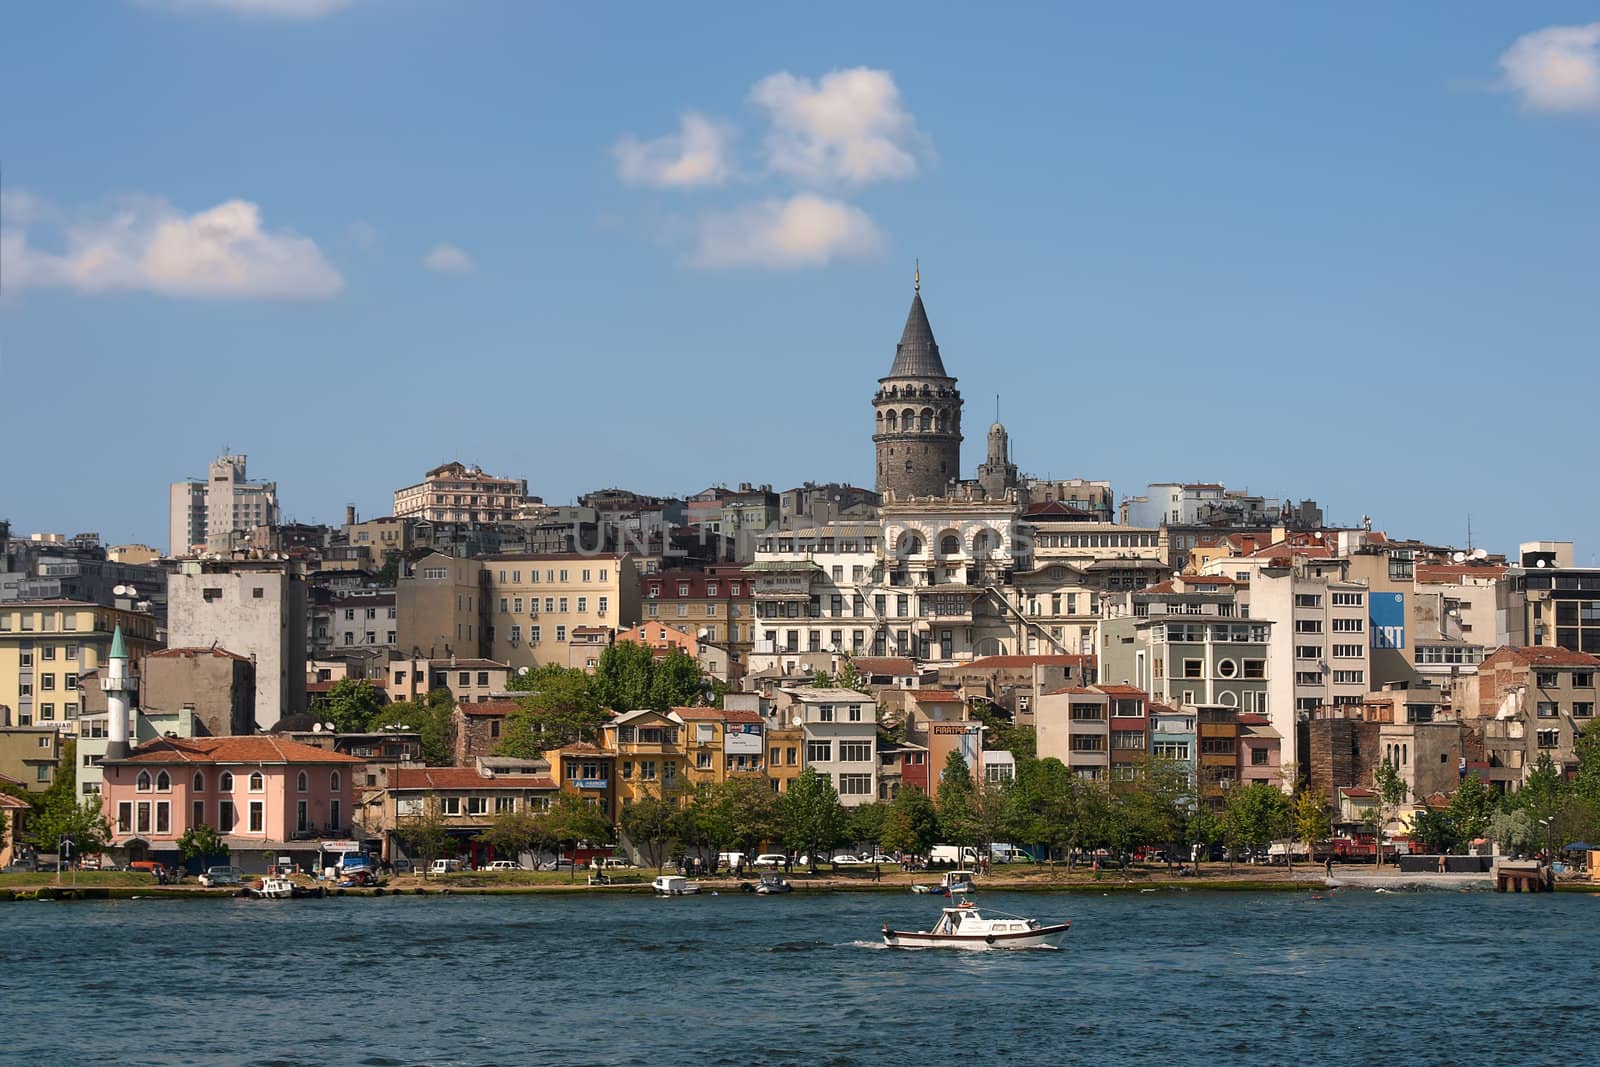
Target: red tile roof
[
  {"x": 1122, "y": 690},
  {"x": 191, "y": 653},
  {"x": 405, "y": 778},
  {"x": 262, "y": 748},
  {"x": 1357, "y": 791},
  {"x": 584, "y": 748},
  {"x": 9, "y": 801},
  {"x": 891, "y": 665},
  {"x": 701, "y": 714},
  {"x": 1547, "y": 656},
  {"x": 937, "y": 696},
  {"x": 468, "y": 665},
  {"x": 989, "y": 662},
  {"x": 740, "y": 715},
  {"x": 1075, "y": 690},
  {"x": 491, "y": 708}
]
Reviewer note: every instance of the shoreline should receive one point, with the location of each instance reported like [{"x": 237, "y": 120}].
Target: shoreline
[{"x": 1226, "y": 882}]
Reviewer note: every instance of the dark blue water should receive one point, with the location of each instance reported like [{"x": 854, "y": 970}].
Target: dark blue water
[{"x": 1418, "y": 978}]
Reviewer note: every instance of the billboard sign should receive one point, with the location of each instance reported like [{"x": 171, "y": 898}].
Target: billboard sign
[
  {"x": 1386, "y": 618},
  {"x": 742, "y": 739}
]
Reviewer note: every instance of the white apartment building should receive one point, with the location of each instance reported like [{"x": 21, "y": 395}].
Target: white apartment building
[
  {"x": 204, "y": 516},
  {"x": 1319, "y": 653},
  {"x": 840, "y": 727},
  {"x": 814, "y": 592}
]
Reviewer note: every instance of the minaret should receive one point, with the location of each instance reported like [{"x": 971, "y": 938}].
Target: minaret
[
  {"x": 917, "y": 432},
  {"x": 119, "y": 688}
]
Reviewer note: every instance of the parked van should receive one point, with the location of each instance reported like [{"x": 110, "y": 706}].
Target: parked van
[
  {"x": 223, "y": 875},
  {"x": 445, "y": 867},
  {"x": 729, "y": 859},
  {"x": 1003, "y": 853},
  {"x": 956, "y": 855}
]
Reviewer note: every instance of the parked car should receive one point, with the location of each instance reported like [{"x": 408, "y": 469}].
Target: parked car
[
  {"x": 616, "y": 863},
  {"x": 221, "y": 875},
  {"x": 562, "y": 864},
  {"x": 502, "y": 865},
  {"x": 877, "y": 857},
  {"x": 771, "y": 859},
  {"x": 444, "y": 866},
  {"x": 847, "y": 859},
  {"x": 403, "y": 866}
]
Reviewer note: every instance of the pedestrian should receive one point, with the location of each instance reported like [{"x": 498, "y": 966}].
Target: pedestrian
[
  {"x": 1328, "y": 863},
  {"x": 877, "y": 872}
]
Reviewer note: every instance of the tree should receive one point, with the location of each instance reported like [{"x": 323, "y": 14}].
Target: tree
[
  {"x": 83, "y": 825},
  {"x": 850, "y": 678},
  {"x": 821, "y": 680},
  {"x": 864, "y": 824},
  {"x": 1586, "y": 780},
  {"x": 650, "y": 823},
  {"x": 622, "y": 678},
  {"x": 559, "y": 707},
  {"x": 431, "y": 718},
  {"x": 812, "y": 817},
  {"x": 1256, "y": 815},
  {"x": 1436, "y": 829},
  {"x": 910, "y": 825},
  {"x": 389, "y": 573},
  {"x": 1471, "y": 809},
  {"x": 1513, "y": 831},
  {"x": 676, "y": 682},
  {"x": 1048, "y": 807},
  {"x": 1310, "y": 818},
  {"x": 957, "y": 802},
  {"x": 424, "y": 833},
  {"x": 510, "y": 835},
  {"x": 1159, "y": 804},
  {"x": 202, "y": 842},
  {"x": 1391, "y": 793},
  {"x": 349, "y": 705},
  {"x": 570, "y": 821}
]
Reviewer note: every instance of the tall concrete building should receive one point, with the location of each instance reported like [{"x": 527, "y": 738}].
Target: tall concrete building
[
  {"x": 917, "y": 415},
  {"x": 203, "y": 516},
  {"x": 256, "y": 608},
  {"x": 461, "y": 492}
]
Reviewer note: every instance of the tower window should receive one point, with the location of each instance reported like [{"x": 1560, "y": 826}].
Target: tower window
[{"x": 908, "y": 466}]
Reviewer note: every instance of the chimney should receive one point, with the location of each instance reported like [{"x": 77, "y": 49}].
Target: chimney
[{"x": 349, "y": 514}]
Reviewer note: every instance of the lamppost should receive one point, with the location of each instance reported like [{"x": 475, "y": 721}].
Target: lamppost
[{"x": 1548, "y": 855}]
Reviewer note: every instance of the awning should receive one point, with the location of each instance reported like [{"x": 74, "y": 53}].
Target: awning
[{"x": 1577, "y": 846}]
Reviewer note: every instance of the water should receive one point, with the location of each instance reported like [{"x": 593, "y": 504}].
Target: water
[{"x": 1412, "y": 978}]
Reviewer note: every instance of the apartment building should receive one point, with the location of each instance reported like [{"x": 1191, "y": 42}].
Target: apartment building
[
  {"x": 1187, "y": 642},
  {"x": 715, "y": 605},
  {"x": 210, "y": 515},
  {"x": 360, "y": 621},
  {"x": 815, "y": 590},
  {"x": 47, "y": 647},
  {"x": 1551, "y": 602},
  {"x": 467, "y": 801},
  {"x": 30, "y": 755},
  {"x": 441, "y": 606},
  {"x": 722, "y": 744},
  {"x": 1547, "y": 692},
  {"x": 256, "y": 608},
  {"x": 1073, "y": 725},
  {"x": 652, "y": 755},
  {"x": 557, "y": 607},
  {"x": 840, "y": 727},
  {"x": 460, "y": 492}
]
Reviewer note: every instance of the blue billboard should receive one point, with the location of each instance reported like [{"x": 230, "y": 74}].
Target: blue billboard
[{"x": 1386, "y": 618}]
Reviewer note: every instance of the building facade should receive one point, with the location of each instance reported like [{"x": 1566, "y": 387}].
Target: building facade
[
  {"x": 917, "y": 416},
  {"x": 207, "y": 516},
  {"x": 460, "y": 492}
]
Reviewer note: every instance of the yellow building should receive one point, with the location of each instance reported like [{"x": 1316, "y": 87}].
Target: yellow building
[
  {"x": 721, "y": 744},
  {"x": 536, "y": 604},
  {"x": 652, "y": 755},
  {"x": 587, "y": 772},
  {"x": 47, "y": 645}
]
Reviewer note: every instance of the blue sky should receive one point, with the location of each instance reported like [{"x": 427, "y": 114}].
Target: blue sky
[{"x": 1345, "y": 255}]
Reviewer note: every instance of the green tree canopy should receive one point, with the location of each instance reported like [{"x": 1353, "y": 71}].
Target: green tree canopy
[
  {"x": 1436, "y": 829},
  {"x": 1471, "y": 808},
  {"x": 1310, "y": 818},
  {"x": 676, "y": 682},
  {"x": 812, "y": 817},
  {"x": 956, "y": 799},
  {"x": 425, "y": 833},
  {"x": 559, "y": 706},
  {"x": 910, "y": 825},
  {"x": 623, "y": 676},
  {"x": 650, "y": 823},
  {"x": 202, "y": 842},
  {"x": 432, "y": 718},
  {"x": 511, "y": 834},
  {"x": 864, "y": 823},
  {"x": 349, "y": 705},
  {"x": 1257, "y": 814}
]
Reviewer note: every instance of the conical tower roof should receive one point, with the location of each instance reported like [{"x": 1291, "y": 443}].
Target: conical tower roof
[
  {"x": 119, "y": 650},
  {"x": 917, "y": 354}
]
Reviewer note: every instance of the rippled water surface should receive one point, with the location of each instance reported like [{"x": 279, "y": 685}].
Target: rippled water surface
[{"x": 1270, "y": 978}]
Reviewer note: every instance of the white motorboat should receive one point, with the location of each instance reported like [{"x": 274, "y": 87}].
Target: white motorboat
[
  {"x": 672, "y": 885},
  {"x": 273, "y": 887},
  {"x": 964, "y": 926},
  {"x": 952, "y": 882},
  {"x": 772, "y": 884}
]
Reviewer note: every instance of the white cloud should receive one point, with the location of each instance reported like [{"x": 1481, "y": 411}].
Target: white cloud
[
  {"x": 803, "y": 231},
  {"x": 849, "y": 127},
  {"x": 696, "y": 155},
  {"x": 1556, "y": 69},
  {"x": 147, "y": 244},
  {"x": 448, "y": 259},
  {"x": 292, "y": 9}
]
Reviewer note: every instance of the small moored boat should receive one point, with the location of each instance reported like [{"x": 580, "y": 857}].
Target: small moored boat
[
  {"x": 672, "y": 885},
  {"x": 773, "y": 883},
  {"x": 964, "y": 926},
  {"x": 952, "y": 882},
  {"x": 273, "y": 887}
]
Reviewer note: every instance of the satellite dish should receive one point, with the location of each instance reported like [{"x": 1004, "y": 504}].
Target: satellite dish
[
  {"x": 1458, "y": 557},
  {"x": 1540, "y": 563},
  {"x": 1480, "y": 553}
]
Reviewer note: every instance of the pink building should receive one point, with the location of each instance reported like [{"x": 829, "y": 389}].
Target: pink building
[
  {"x": 1260, "y": 752},
  {"x": 266, "y": 795}
]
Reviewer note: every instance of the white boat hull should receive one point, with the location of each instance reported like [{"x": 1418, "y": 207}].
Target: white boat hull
[
  {"x": 274, "y": 889},
  {"x": 1041, "y": 937}
]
